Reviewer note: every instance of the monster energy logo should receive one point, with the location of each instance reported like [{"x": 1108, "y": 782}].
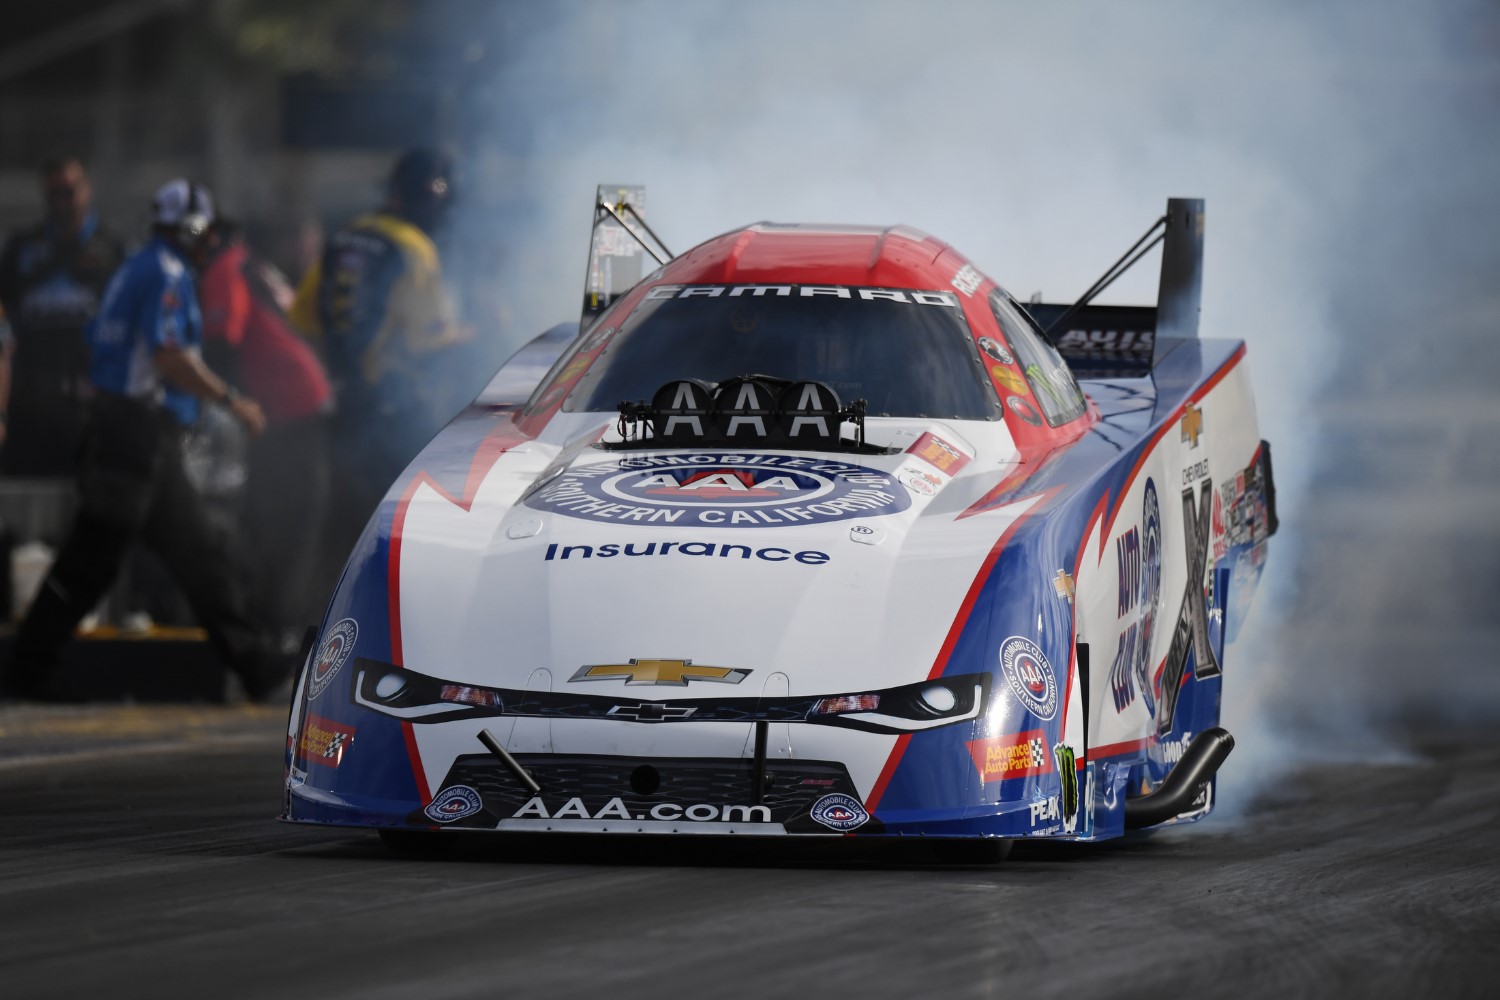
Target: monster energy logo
[{"x": 1067, "y": 770}]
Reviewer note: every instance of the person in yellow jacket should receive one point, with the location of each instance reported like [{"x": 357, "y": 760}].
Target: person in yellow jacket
[{"x": 376, "y": 306}]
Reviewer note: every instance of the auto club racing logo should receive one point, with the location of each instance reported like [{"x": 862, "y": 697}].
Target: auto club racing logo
[
  {"x": 840, "y": 812},
  {"x": 338, "y": 644},
  {"x": 721, "y": 491},
  {"x": 1030, "y": 676},
  {"x": 453, "y": 803}
]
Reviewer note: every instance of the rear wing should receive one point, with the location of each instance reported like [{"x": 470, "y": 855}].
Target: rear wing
[
  {"x": 1116, "y": 341},
  {"x": 617, "y": 247}
]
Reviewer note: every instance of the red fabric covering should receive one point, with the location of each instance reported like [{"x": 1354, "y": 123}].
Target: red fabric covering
[{"x": 279, "y": 368}]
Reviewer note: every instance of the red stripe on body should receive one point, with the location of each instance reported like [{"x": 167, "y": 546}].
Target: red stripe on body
[
  {"x": 1118, "y": 749},
  {"x": 897, "y": 752},
  {"x": 1107, "y": 525},
  {"x": 417, "y": 770},
  {"x": 494, "y": 444},
  {"x": 1020, "y": 474},
  {"x": 951, "y": 640},
  {"x": 1168, "y": 424},
  {"x": 1028, "y": 467},
  {"x": 1073, "y": 651},
  {"x": 393, "y": 564}
]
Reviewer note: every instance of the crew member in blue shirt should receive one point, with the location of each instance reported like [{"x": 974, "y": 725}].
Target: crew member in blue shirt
[{"x": 149, "y": 381}]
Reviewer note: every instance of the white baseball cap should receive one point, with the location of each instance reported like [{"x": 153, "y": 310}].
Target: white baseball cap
[{"x": 180, "y": 202}]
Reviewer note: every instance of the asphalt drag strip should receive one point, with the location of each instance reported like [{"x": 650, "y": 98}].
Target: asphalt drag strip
[{"x": 139, "y": 858}]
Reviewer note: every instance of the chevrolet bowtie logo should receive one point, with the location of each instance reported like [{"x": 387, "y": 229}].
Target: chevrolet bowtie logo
[
  {"x": 1192, "y": 424},
  {"x": 1063, "y": 584},
  {"x": 664, "y": 673},
  {"x": 651, "y": 711}
]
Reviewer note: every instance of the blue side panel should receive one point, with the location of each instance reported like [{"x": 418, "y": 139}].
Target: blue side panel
[
  {"x": 1109, "y": 790},
  {"x": 1016, "y": 622},
  {"x": 1016, "y": 600},
  {"x": 374, "y": 773}
]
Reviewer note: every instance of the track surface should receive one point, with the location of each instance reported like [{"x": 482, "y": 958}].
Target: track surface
[{"x": 138, "y": 858}]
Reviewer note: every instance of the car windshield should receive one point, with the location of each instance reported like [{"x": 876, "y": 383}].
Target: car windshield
[{"x": 906, "y": 353}]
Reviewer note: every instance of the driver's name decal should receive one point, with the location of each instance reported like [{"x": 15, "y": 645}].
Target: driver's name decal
[{"x": 903, "y": 295}]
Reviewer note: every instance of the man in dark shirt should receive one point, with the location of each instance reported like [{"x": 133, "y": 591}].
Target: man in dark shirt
[{"x": 52, "y": 277}]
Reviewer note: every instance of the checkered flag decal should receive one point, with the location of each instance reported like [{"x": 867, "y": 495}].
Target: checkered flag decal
[
  {"x": 1038, "y": 753},
  {"x": 335, "y": 745}
]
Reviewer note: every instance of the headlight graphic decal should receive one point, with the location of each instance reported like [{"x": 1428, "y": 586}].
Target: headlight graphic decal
[{"x": 418, "y": 698}]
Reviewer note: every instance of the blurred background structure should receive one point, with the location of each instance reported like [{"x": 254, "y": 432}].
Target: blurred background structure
[
  {"x": 1347, "y": 151},
  {"x": 290, "y": 112}
]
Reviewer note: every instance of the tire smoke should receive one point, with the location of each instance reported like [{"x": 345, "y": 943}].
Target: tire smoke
[{"x": 1348, "y": 154}]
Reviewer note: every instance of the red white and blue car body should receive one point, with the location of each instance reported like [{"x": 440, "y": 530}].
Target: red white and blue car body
[{"x": 1002, "y": 614}]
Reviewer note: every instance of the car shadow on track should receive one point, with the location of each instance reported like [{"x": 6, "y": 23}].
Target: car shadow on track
[{"x": 738, "y": 852}]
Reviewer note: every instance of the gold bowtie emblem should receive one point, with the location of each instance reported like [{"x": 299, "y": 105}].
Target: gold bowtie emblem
[
  {"x": 1192, "y": 424},
  {"x": 1063, "y": 584},
  {"x": 673, "y": 673}
]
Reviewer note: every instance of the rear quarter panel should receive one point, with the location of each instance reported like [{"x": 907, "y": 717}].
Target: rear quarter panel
[{"x": 1155, "y": 653}]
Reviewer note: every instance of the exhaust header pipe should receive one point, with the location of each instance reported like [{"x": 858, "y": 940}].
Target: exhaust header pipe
[{"x": 1199, "y": 763}]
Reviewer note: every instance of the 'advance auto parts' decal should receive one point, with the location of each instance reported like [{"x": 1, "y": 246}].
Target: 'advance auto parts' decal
[{"x": 721, "y": 491}]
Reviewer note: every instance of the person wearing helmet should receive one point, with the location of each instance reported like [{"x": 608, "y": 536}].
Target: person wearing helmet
[
  {"x": 148, "y": 381},
  {"x": 376, "y": 305}
]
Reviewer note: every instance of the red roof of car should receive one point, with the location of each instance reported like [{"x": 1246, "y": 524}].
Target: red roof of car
[
  {"x": 770, "y": 253},
  {"x": 893, "y": 256}
]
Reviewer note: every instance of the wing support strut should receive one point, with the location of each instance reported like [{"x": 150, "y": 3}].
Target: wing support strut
[
  {"x": 619, "y": 213},
  {"x": 1116, "y": 269},
  {"x": 758, "y": 780},
  {"x": 618, "y": 243}
]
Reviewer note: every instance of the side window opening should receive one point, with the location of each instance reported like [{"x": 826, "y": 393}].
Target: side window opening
[{"x": 1046, "y": 372}]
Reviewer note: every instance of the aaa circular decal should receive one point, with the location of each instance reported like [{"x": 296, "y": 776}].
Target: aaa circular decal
[
  {"x": 1030, "y": 676},
  {"x": 338, "y": 645},
  {"x": 838, "y": 811},
  {"x": 453, "y": 803},
  {"x": 721, "y": 491}
]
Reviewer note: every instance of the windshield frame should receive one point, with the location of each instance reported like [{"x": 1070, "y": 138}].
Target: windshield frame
[{"x": 981, "y": 397}]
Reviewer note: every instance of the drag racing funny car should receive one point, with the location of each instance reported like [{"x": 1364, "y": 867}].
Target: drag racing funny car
[{"x": 811, "y": 531}]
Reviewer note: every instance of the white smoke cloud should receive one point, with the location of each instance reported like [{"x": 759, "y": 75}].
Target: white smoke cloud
[{"x": 1347, "y": 153}]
